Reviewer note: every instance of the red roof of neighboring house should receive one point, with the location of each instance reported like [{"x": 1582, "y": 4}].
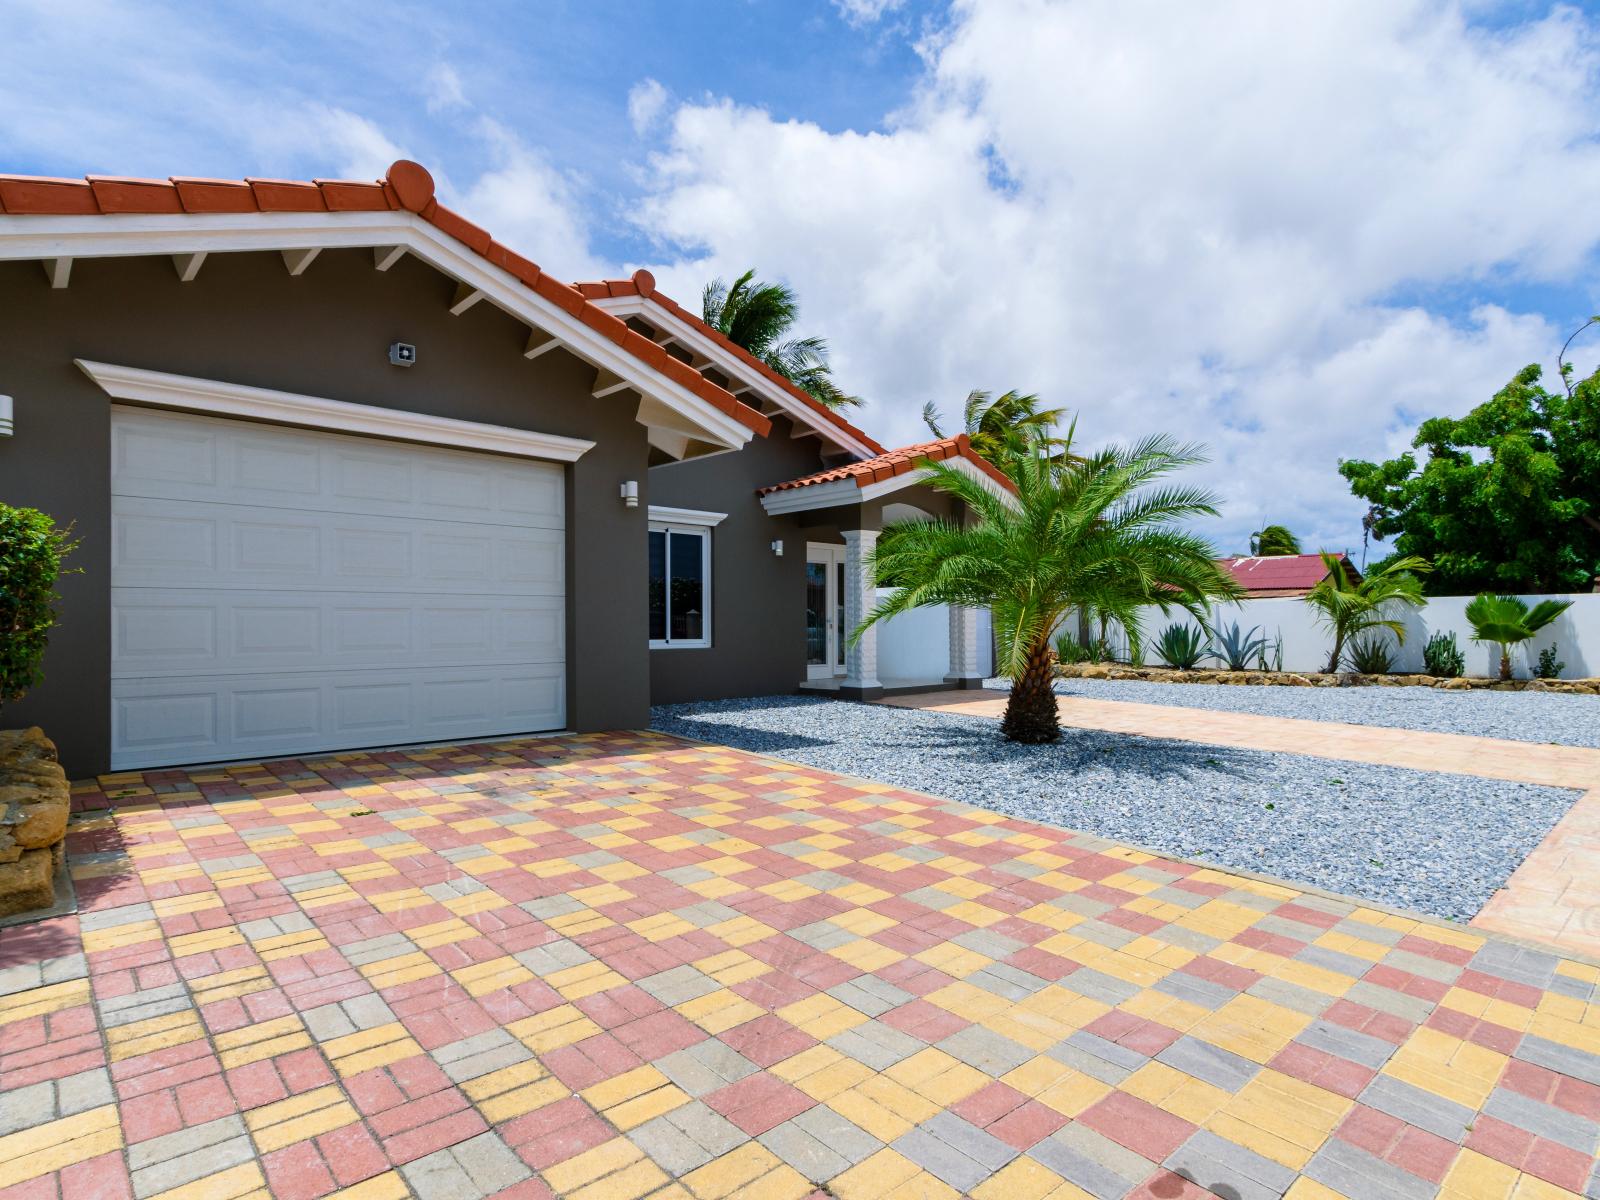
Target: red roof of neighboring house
[
  {"x": 897, "y": 462},
  {"x": 644, "y": 284},
  {"x": 406, "y": 186},
  {"x": 1279, "y": 574}
]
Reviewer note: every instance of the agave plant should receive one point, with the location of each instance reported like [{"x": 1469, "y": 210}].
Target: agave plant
[
  {"x": 1372, "y": 655},
  {"x": 1507, "y": 621},
  {"x": 1238, "y": 649},
  {"x": 1182, "y": 646}
]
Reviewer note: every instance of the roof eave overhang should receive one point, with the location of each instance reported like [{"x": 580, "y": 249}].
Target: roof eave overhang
[
  {"x": 695, "y": 420},
  {"x": 838, "y": 492},
  {"x": 696, "y": 341}
]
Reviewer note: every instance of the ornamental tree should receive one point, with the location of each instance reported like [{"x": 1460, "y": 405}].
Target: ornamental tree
[{"x": 31, "y": 550}]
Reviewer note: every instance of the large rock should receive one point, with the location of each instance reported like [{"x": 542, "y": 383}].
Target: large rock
[{"x": 28, "y": 883}]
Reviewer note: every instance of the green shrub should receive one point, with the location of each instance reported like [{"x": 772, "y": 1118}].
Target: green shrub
[
  {"x": 31, "y": 550},
  {"x": 1372, "y": 655},
  {"x": 1442, "y": 656},
  {"x": 1237, "y": 649},
  {"x": 1070, "y": 651},
  {"x": 1550, "y": 667},
  {"x": 1182, "y": 646}
]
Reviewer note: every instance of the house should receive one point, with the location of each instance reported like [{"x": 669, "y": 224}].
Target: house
[
  {"x": 347, "y": 472},
  {"x": 1280, "y": 574}
]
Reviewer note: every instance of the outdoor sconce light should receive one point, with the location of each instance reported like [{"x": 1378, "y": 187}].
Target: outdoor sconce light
[
  {"x": 777, "y": 548},
  {"x": 630, "y": 494},
  {"x": 7, "y": 427}
]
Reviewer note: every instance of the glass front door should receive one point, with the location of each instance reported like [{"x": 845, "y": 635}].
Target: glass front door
[{"x": 825, "y": 630}]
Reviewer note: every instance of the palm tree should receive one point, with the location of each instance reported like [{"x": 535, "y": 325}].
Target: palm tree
[
  {"x": 757, "y": 317},
  {"x": 1004, "y": 427},
  {"x": 1349, "y": 605},
  {"x": 1274, "y": 540},
  {"x": 1093, "y": 532},
  {"x": 1507, "y": 620}
]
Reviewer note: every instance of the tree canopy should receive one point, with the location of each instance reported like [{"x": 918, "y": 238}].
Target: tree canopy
[
  {"x": 1273, "y": 540},
  {"x": 1005, "y": 426},
  {"x": 1506, "y": 498},
  {"x": 759, "y": 317}
]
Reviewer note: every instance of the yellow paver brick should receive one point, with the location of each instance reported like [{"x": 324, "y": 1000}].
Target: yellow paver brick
[
  {"x": 596, "y": 1163},
  {"x": 875, "y": 1177},
  {"x": 233, "y": 1184},
  {"x": 388, "y": 1186},
  {"x": 57, "y": 1144},
  {"x": 155, "y": 1033}
]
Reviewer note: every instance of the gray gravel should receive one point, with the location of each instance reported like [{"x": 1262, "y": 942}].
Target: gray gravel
[
  {"x": 1521, "y": 716},
  {"x": 1419, "y": 840}
]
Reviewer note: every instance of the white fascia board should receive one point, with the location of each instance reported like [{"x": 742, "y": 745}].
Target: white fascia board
[
  {"x": 217, "y": 398},
  {"x": 815, "y": 495},
  {"x": 733, "y": 367},
  {"x": 665, "y": 515},
  {"x": 25, "y": 237}
]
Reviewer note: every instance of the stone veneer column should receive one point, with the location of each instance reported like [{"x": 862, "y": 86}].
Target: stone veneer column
[
  {"x": 964, "y": 672},
  {"x": 860, "y": 657}
]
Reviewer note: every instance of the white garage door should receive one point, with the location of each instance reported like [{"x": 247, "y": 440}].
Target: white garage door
[{"x": 283, "y": 591}]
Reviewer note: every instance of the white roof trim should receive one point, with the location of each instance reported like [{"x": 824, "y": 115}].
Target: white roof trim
[
  {"x": 734, "y": 367},
  {"x": 50, "y": 237},
  {"x": 849, "y": 491},
  {"x": 686, "y": 516},
  {"x": 264, "y": 404}
]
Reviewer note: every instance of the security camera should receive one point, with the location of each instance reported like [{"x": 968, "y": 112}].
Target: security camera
[{"x": 403, "y": 354}]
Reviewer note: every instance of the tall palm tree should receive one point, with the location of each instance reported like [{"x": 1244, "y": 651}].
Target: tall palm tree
[
  {"x": 1349, "y": 605},
  {"x": 1004, "y": 426},
  {"x": 757, "y": 317},
  {"x": 1097, "y": 532},
  {"x": 1273, "y": 540},
  {"x": 1507, "y": 621}
]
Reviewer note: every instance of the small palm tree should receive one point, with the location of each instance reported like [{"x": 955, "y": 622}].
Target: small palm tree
[
  {"x": 1507, "y": 621},
  {"x": 1004, "y": 426},
  {"x": 1274, "y": 540},
  {"x": 1094, "y": 532},
  {"x": 1349, "y": 606},
  {"x": 757, "y": 317}
]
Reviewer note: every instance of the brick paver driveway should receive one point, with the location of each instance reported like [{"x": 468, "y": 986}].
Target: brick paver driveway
[{"x": 622, "y": 965}]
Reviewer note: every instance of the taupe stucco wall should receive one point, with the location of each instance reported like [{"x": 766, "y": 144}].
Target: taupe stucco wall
[{"x": 325, "y": 333}]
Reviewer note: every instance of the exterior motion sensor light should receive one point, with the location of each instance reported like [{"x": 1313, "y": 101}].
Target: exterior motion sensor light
[
  {"x": 6, "y": 424},
  {"x": 777, "y": 547},
  {"x": 630, "y": 494}
]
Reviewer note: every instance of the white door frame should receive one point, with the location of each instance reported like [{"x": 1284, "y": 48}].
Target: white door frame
[{"x": 831, "y": 557}]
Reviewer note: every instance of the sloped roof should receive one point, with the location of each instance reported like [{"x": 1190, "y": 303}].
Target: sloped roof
[
  {"x": 896, "y": 462},
  {"x": 1288, "y": 574},
  {"x": 643, "y": 284},
  {"x": 407, "y": 186}
]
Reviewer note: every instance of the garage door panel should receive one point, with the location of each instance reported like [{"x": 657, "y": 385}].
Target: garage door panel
[
  {"x": 213, "y": 718},
  {"x": 175, "y": 543},
  {"x": 161, "y": 455},
  {"x": 172, "y": 632},
  {"x": 281, "y": 592}
]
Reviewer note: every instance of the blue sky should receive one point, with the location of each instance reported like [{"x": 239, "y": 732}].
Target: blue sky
[{"x": 1287, "y": 231}]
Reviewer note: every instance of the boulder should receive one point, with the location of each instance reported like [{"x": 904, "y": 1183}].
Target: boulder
[
  {"x": 27, "y": 883},
  {"x": 1458, "y": 684}
]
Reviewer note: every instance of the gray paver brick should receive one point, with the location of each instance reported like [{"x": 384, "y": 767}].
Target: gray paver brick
[
  {"x": 981, "y": 1147},
  {"x": 940, "y": 1159},
  {"x": 878, "y": 1045},
  {"x": 678, "y": 985},
  {"x": 438, "y": 1176},
  {"x": 1083, "y": 1157},
  {"x": 991, "y": 1053},
  {"x": 1422, "y": 1109},
  {"x": 870, "y": 995},
  {"x": 1361, "y": 1176},
  {"x": 807, "y": 1154},
  {"x": 1210, "y": 1161},
  {"x": 1546, "y": 1120},
  {"x": 1208, "y": 1063},
  {"x": 1564, "y": 1059},
  {"x": 1337, "y": 1040},
  {"x": 842, "y": 1136},
  {"x": 177, "y": 1158}
]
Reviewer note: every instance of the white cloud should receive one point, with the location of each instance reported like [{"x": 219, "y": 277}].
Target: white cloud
[
  {"x": 865, "y": 12},
  {"x": 647, "y": 99},
  {"x": 1191, "y": 219},
  {"x": 443, "y": 89}
]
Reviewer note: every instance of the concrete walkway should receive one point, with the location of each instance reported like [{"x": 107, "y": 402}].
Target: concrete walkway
[
  {"x": 622, "y": 965},
  {"x": 1554, "y": 896}
]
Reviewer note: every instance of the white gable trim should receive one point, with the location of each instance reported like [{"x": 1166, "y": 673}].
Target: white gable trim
[
  {"x": 731, "y": 365},
  {"x": 51, "y": 237},
  {"x": 848, "y": 491},
  {"x": 264, "y": 404}
]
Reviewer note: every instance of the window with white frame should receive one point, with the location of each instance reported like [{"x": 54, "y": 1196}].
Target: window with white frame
[{"x": 680, "y": 577}]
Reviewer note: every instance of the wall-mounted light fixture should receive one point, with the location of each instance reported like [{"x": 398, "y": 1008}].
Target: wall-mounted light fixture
[
  {"x": 777, "y": 547},
  {"x": 7, "y": 426},
  {"x": 630, "y": 494}
]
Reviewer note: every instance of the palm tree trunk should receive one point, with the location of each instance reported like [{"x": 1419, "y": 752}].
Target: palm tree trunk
[
  {"x": 1031, "y": 715},
  {"x": 1505, "y": 662}
]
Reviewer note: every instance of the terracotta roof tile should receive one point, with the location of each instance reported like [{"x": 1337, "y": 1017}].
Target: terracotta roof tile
[
  {"x": 891, "y": 463},
  {"x": 644, "y": 284},
  {"x": 407, "y": 186}
]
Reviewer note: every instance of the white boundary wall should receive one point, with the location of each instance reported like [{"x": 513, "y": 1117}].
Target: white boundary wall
[
  {"x": 916, "y": 644},
  {"x": 1306, "y": 643}
]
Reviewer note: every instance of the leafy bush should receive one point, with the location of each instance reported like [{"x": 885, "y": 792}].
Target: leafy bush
[
  {"x": 1236, "y": 649},
  {"x": 1442, "y": 656},
  {"x": 31, "y": 550},
  {"x": 1182, "y": 646},
  {"x": 1550, "y": 667},
  {"x": 1069, "y": 650},
  {"x": 1372, "y": 655}
]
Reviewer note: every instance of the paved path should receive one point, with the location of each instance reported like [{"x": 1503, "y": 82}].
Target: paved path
[
  {"x": 622, "y": 965},
  {"x": 1554, "y": 896}
]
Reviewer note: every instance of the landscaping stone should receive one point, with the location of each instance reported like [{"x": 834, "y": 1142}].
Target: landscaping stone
[
  {"x": 35, "y": 802},
  {"x": 1572, "y": 687}
]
